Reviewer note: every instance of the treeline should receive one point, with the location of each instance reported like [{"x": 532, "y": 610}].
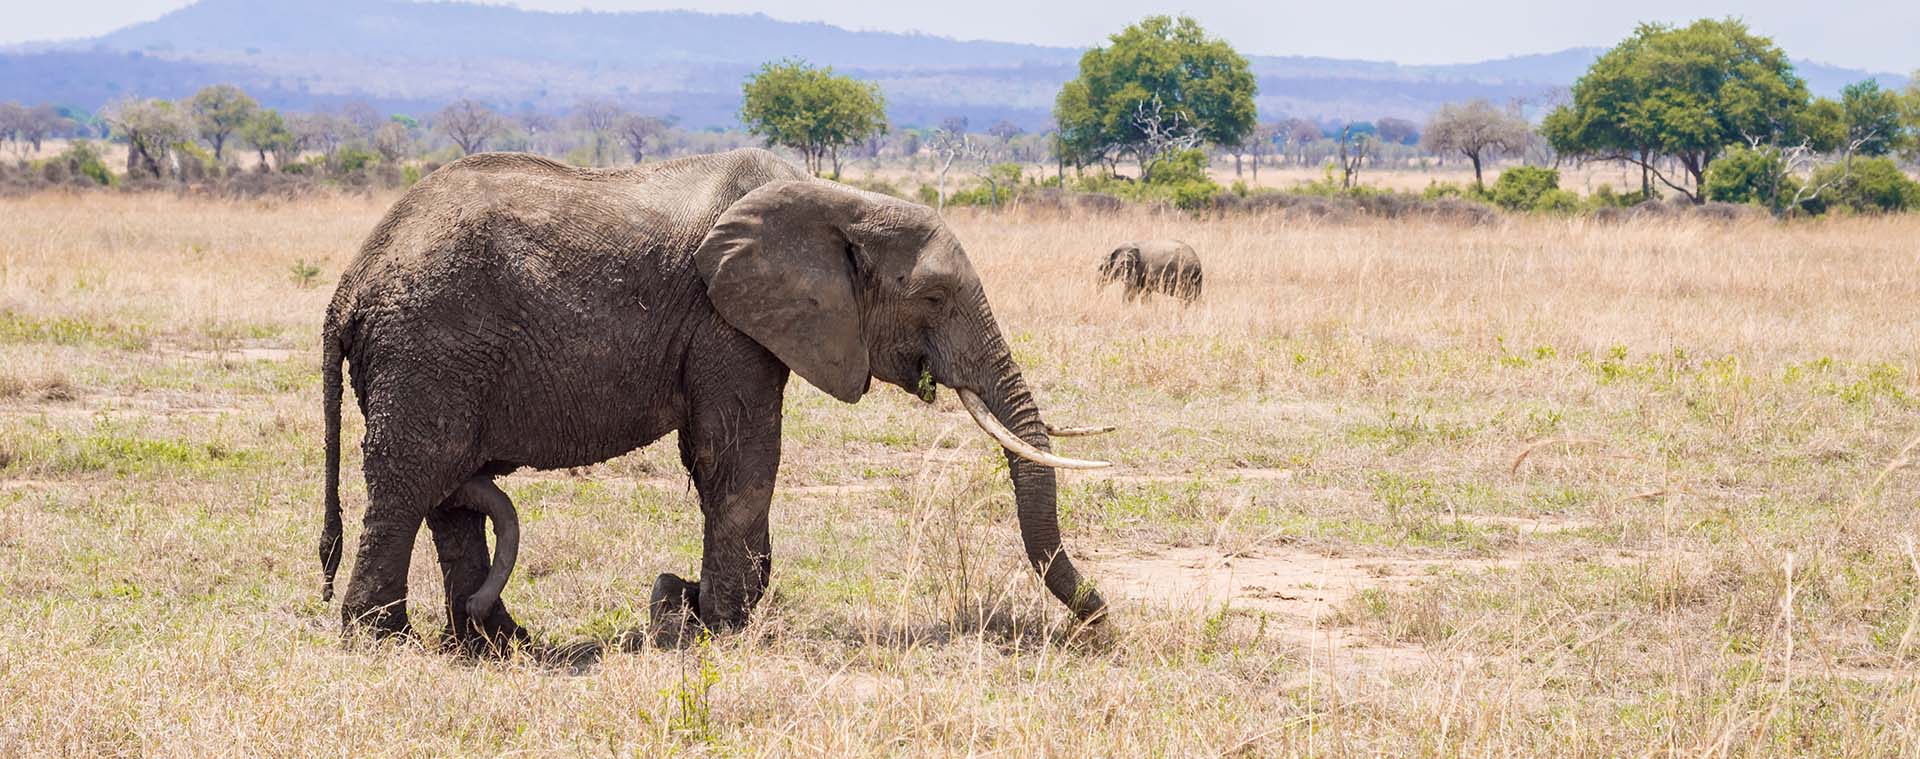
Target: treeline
[{"x": 1705, "y": 112}]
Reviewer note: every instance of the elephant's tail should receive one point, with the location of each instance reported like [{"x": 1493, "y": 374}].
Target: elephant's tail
[{"x": 330, "y": 530}]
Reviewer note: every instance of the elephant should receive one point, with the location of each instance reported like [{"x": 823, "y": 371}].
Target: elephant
[
  {"x": 1150, "y": 266},
  {"x": 513, "y": 312}
]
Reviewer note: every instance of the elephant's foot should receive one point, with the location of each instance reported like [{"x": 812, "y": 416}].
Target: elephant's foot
[
  {"x": 673, "y": 612},
  {"x": 378, "y": 622},
  {"x": 493, "y": 635}
]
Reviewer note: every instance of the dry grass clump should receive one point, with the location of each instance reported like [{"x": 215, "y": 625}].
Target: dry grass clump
[{"x": 1525, "y": 487}]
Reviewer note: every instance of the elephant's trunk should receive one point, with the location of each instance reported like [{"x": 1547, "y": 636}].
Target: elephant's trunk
[{"x": 1004, "y": 395}]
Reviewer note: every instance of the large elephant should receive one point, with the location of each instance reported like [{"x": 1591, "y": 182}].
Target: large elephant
[
  {"x": 514, "y": 312},
  {"x": 1149, "y": 266}
]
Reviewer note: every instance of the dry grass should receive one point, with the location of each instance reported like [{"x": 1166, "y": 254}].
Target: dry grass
[{"x": 1546, "y": 487}]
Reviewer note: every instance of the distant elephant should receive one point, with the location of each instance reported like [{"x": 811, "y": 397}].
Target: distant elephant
[
  {"x": 510, "y": 312},
  {"x": 1150, "y": 266}
]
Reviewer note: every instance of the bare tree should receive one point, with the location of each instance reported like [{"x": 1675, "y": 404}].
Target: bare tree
[
  {"x": 469, "y": 124},
  {"x": 1162, "y": 133},
  {"x": 392, "y": 141},
  {"x": 598, "y": 118},
  {"x": 1299, "y": 134},
  {"x": 324, "y": 132},
  {"x": 537, "y": 125},
  {"x": 359, "y": 120},
  {"x": 1477, "y": 131},
  {"x": 949, "y": 147},
  {"x": 11, "y": 115},
  {"x": 1356, "y": 148},
  {"x": 636, "y": 131}
]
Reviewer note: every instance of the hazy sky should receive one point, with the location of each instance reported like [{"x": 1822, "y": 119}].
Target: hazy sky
[{"x": 1877, "y": 35}]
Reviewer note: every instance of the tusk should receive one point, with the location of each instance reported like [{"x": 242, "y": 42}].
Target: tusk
[
  {"x": 981, "y": 416},
  {"x": 1053, "y": 431}
]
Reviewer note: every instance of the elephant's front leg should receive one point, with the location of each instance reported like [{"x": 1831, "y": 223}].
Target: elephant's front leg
[
  {"x": 460, "y": 542},
  {"x": 731, "y": 446}
]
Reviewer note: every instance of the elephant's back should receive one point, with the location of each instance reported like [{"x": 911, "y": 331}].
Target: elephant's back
[{"x": 522, "y": 222}]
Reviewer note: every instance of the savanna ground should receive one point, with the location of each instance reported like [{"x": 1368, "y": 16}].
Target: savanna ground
[{"x": 1541, "y": 487}]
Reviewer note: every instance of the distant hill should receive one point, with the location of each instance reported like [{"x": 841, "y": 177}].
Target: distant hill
[{"x": 409, "y": 56}]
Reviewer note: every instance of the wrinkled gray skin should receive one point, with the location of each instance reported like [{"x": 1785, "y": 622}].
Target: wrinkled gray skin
[
  {"x": 1154, "y": 266},
  {"x": 514, "y": 312}
]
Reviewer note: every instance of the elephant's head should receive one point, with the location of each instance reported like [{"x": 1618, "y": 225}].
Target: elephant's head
[
  {"x": 1121, "y": 265},
  {"x": 845, "y": 286}
]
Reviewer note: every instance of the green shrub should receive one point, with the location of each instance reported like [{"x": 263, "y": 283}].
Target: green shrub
[
  {"x": 1521, "y": 187},
  {"x": 1873, "y": 185},
  {"x": 1746, "y": 175},
  {"x": 82, "y": 159},
  {"x": 1559, "y": 201},
  {"x": 353, "y": 159},
  {"x": 1437, "y": 189}
]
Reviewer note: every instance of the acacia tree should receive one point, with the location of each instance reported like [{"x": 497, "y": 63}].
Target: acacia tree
[
  {"x": 267, "y": 132},
  {"x": 28, "y": 127},
  {"x": 151, "y": 128},
  {"x": 1396, "y": 131},
  {"x": 469, "y": 124},
  {"x": 1477, "y": 131},
  {"x": 1681, "y": 94},
  {"x": 793, "y": 104},
  {"x": 1166, "y": 65},
  {"x": 218, "y": 111}
]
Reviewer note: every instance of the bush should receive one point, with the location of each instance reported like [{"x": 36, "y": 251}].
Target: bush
[
  {"x": 1745, "y": 175},
  {"x": 1873, "y": 185},
  {"x": 81, "y": 159},
  {"x": 1559, "y": 201},
  {"x": 352, "y": 159},
  {"x": 1522, "y": 187},
  {"x": 1437, "y": 189}
]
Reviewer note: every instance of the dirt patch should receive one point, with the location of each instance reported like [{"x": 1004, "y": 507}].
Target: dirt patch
[{"x": 1301, "y": 592}]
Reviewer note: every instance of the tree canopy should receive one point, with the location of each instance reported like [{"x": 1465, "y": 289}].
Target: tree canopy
[
  {"x": 1158, "y": 76},
  {"x": 811, "y": 110},
  {"x": 1685, "y": 93},
  {"x": 1477, "y": 131},
  {"x": 1871, "y": 118}
]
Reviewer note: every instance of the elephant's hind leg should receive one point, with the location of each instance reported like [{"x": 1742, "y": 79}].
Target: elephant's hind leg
[
  {"x": 376, "y": 598},
  {"x": 459, "y": 540},
  {"x": 411, "y": 467}
]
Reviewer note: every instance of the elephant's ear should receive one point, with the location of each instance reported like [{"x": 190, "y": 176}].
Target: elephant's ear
[{"x": 777, "y": 267}]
